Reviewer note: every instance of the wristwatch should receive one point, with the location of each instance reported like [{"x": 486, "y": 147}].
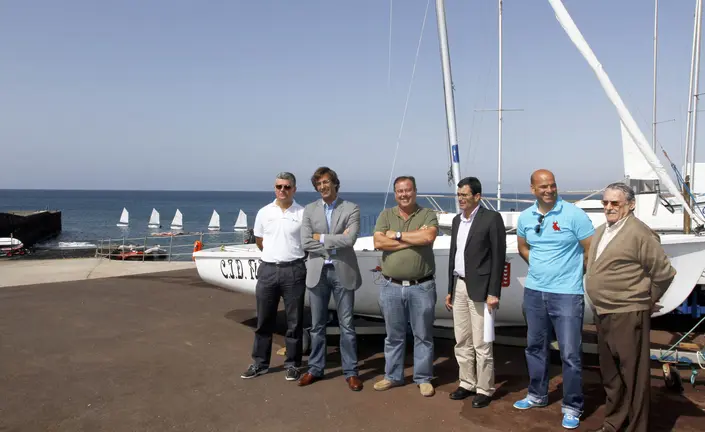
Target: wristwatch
[{"x": 398, "y": 235}]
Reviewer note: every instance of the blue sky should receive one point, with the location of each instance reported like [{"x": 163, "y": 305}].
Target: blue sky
[{"x": 222, "y": 95}]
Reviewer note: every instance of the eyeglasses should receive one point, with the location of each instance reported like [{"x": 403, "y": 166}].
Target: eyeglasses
[
  {"x": 537, "y": 228},
  {"x": 281, "y": 186},
  {"x": 613, "y": 203}
]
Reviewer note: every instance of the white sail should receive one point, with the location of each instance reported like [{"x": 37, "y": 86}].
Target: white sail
[
  {"x": 124, "y": 218},
  {"x": 636, "y": 167},
  {"x": 241, "y": 222},
  {"x": 154, "y": 219},
  {"x": 214, "y": 224},
  {"x": 177, "y": 223},
  {"x": 624, "y": 115}
]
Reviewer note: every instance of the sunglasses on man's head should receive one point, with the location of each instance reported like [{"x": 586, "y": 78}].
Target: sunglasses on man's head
[
  {"x": 537, "y": 228},
  {"x": 280, "y": 186}
]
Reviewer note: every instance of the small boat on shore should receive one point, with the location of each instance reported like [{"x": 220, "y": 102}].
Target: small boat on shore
[
  {"x": 169, "y": 234},
  {"x": 10, "y": 246},
  {"x": 139, "y": 253}
]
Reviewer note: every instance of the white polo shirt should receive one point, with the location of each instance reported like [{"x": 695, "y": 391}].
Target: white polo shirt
[{"x": 280, "y": 232}]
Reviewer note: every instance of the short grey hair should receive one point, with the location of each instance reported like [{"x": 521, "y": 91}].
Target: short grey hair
[
  {"x": 624, "y": 188},
  {"x": 287, "y": 176}
]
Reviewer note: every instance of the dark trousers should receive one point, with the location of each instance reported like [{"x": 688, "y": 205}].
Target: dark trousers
[
  {"x": 623, "y": 347},
  {"x": 289, "y": 283}
]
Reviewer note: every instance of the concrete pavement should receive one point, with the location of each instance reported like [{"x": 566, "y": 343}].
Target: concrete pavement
[
  {"x": 164, "y": 351},
  {"x": 30, "y": 272}
]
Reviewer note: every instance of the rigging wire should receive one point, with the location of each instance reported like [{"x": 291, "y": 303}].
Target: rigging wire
[
  {"x": 406, "y": 104},
  {"x": 389, "y": 49}
]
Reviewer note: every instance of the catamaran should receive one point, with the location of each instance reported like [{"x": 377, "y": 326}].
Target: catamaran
[{"x": 235, "y": 267}]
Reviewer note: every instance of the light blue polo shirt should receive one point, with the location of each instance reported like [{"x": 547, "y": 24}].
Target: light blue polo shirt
[{"x": 555, "y": 254}]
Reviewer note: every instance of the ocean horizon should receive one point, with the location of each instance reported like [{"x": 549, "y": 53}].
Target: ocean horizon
[{"x": 91, "y": 215}]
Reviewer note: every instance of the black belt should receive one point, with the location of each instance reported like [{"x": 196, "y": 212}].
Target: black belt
[
  {"x": 285, "y": 263},
  {"x": 409, "y": 282}
]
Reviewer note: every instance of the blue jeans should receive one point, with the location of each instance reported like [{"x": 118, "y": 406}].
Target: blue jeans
[
  {"x": 563, "y": 312},
  {"x": 319, "y": 297},
  {"x": 414, "y": 304}
]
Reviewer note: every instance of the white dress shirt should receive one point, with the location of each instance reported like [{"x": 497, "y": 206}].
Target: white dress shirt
[
  {"x": 280, "y": 232},
  {"x": 463, "y": 231},
  {"x": 608, "y": 235}
]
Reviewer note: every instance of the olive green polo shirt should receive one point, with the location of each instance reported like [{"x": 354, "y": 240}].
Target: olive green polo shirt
[{"x": 414, "y": 262}]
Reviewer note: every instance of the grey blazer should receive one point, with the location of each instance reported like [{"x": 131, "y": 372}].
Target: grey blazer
[{"x": 346, "y": 215}]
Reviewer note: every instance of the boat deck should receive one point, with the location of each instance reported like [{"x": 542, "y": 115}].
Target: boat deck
[{"x": 164, "y": 351}]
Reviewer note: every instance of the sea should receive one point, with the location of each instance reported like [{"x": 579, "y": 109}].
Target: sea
[{"x": 90, "y": 217}]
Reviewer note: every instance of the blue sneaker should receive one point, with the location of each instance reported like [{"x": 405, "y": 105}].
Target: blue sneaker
[
  {"x": 525, "y": 404},
  {"x": 570, "y": 421}
]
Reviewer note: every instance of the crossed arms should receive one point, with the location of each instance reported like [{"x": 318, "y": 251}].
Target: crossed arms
[
  {"x": 311, "y": 240},
  {"x": 384, "y": 238}
]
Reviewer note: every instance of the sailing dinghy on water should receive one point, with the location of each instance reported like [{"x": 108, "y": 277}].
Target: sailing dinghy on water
[
  {"x": 124, "y": 218},
  {"x": 154, "y": 220},
  {"x": 214, "y": 224},
  {"x": 177, "y": 223},
  {"x": 241, "y": 222},
  {"x": 235, "y": 267}
]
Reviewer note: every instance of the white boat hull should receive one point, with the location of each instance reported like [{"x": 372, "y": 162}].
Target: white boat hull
[{"x": 235, "y": 269}]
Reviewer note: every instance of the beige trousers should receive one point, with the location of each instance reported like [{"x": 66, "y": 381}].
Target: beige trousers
[{"x": 474, "y": 356}]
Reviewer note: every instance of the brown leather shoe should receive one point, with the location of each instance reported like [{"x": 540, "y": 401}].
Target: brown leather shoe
[
  {"x": 307, "y": 379},
  {"x": 354, "y": 383}
]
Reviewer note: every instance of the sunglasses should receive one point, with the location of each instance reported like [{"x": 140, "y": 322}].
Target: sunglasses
[
  {"x": 280, "y": 186},
  {"x": 614, "y": 203},
  {"x": 537, "y": 228}
]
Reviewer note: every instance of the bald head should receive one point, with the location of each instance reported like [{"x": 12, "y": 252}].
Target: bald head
[
  {"x": 543, "y": 186},
  {"x": 542, "y": 175}
]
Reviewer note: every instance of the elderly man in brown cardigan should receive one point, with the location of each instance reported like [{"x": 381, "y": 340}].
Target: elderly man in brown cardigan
[{"x": 627, "y": 272}]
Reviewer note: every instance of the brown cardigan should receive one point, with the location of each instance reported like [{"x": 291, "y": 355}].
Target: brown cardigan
[{"x": 632, "y": 272}]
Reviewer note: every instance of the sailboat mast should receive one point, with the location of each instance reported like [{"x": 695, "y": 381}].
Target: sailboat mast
[
  {"x": 653, "y": 125},
  {"x": 448, "y": 91},
  {"x": 696, "y": 93},
  {"x": 499, "y": 116},
  {"x": 691, "y": 93}
]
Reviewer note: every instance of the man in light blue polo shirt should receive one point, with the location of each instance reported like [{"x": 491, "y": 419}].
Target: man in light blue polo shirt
[{"x": 553, "y": 237}]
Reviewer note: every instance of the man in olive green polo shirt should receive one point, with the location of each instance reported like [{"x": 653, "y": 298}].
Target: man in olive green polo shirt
[{"x": 406, "y": 233}]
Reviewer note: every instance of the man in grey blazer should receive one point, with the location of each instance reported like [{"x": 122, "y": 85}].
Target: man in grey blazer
[{"x": 328, "y": 232}]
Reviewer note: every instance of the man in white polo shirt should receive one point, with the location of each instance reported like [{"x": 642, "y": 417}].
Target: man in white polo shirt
[{"x": 282, "y": 274}]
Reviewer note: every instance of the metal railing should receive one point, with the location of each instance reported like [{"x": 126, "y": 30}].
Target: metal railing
[
  {"x": 178, "y": 247},
  {"x": 485, "y": 201}
]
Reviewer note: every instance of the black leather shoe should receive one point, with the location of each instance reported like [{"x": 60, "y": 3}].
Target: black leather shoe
[
  {"x": 461, "y": 393},
  {"x": 481, "y": 401}
]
